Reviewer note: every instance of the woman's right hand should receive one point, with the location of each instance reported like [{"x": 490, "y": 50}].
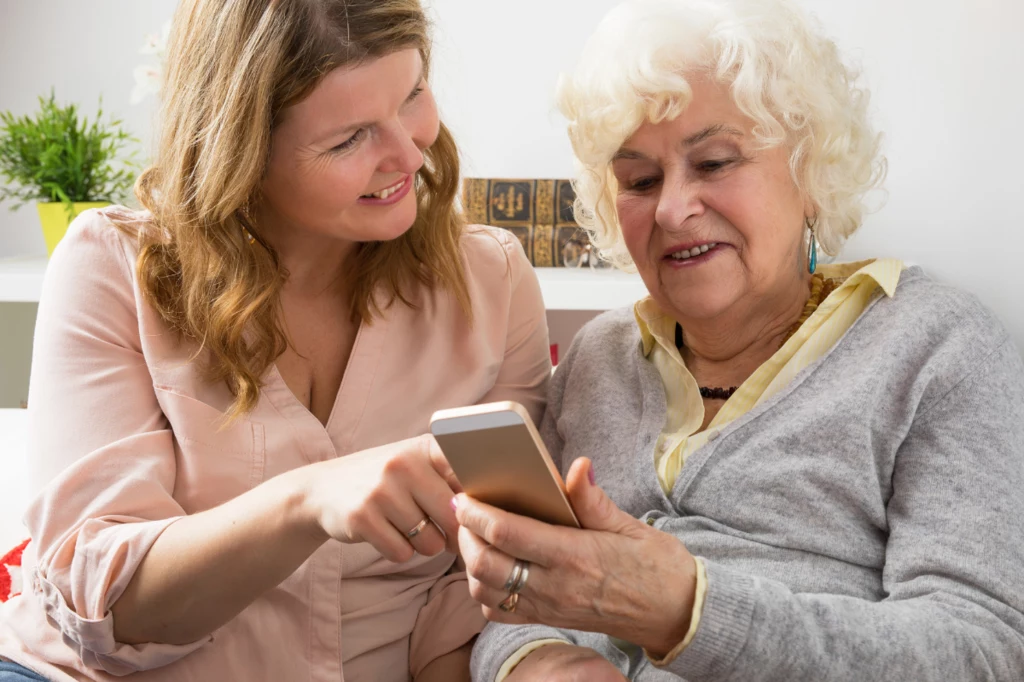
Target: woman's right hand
[
  {"x": 380, "y": 495},
  {"x": 565, "y": 663}
]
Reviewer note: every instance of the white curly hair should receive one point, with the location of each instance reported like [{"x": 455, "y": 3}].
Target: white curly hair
[{"x": 783, "y": 72}]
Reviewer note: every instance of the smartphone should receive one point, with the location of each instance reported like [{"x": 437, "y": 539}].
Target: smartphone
[{"x": 499, "y": 458}]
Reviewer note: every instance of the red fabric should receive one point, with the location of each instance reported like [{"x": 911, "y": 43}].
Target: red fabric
[{"x": 9, "y": 564}]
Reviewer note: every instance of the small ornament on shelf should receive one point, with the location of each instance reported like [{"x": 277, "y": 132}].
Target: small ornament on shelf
[{"x": 578, "y": 253}]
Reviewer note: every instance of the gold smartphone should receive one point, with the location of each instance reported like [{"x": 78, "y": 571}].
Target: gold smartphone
[{"x": 499, "y": 458}]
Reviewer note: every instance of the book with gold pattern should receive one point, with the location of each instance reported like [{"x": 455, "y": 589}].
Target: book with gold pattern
[{"x": 538, "y": 212}]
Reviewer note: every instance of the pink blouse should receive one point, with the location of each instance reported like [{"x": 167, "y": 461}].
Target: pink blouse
[{"x": 125, "y": 438}]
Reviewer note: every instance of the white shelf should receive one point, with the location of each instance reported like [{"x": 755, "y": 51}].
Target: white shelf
[
  {"x": 21, "y": 279},
  {"x": 587, "y": 289}
]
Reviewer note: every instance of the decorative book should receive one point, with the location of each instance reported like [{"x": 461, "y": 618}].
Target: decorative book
[{"x": 538, "y": 212}]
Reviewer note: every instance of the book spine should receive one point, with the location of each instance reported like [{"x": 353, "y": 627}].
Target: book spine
[{"x": 538, "y": 211}]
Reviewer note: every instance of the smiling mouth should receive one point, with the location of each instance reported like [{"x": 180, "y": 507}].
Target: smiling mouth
[
  {"x": 687, "y": 254},
  {"x": 387, "y": 191}
]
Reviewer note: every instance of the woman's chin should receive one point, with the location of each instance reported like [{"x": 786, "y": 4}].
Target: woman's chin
[
  {"x": 392, "y": 232},
  {"x": 698, "y": 303},
  {"x": 389, "y": 226},
  {"x": 697, "y": 298}
]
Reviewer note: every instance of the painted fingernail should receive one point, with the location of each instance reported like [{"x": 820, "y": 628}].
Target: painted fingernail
[
  {"x": 590, "y": 475},
  {"x": 455, "y": 504}
]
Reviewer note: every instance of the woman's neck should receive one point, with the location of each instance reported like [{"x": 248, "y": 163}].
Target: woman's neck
[
  {"x": 727, "y": 349},
  {"x": 315, "y": 263},
  {"x": 318, "y": 271}
]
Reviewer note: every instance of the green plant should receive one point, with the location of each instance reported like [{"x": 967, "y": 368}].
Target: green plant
[{"x": 56, "y": 155}]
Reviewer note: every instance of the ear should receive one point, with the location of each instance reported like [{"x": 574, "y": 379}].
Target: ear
[{"x": 811, "y": 208}]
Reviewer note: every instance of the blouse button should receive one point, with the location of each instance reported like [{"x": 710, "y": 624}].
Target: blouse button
[{"x": 713, "y": 436}]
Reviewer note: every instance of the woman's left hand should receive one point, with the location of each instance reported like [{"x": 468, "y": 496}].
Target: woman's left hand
[{"x": 616, "y": 575}]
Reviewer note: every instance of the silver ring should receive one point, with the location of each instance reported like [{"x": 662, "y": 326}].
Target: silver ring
[
  {"x": 518, "y": 577},
  {"x": 419, "y": 528},
  {"x": 524, "y": 575},
  {"x": 513, "y": 577}
]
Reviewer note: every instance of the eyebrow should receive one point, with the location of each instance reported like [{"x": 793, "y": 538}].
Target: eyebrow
[
  {"x": 363, "y": 124},
  {"x": 696, "y": 138},
  {"x": 711, "y": 131}
]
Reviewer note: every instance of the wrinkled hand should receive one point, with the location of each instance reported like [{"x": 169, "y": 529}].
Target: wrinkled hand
[
  {"x": 379, "y": 495},
  {"x": 616, "y": 575},
  {"x": 564, "y": 663}
]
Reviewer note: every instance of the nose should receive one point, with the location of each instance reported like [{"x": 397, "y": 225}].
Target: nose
[
  {"x": 679, "y": 201},
  {"x": 403, "y": 154}
]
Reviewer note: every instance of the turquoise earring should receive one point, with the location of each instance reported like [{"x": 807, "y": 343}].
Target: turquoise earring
[{"x": 812, "y": 248}]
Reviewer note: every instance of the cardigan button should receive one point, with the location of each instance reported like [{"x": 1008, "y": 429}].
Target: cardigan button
[{"x": 650, "y": 520}]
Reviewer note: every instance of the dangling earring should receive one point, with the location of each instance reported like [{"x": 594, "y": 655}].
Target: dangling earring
[
  {"x": 247, "y": 220},
  {"x": 812, "y": 246}
]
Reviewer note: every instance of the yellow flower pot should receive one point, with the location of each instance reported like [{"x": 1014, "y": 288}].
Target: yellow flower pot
[{"x": 55, "y": 218}]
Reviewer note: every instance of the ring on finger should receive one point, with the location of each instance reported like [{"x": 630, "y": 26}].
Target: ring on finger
[
  {"x": 508, "y": 605},
  {"x": 514, "y": 575},
  {"x": 520, "y": 584},
  {"x": 418, "y": 528}
]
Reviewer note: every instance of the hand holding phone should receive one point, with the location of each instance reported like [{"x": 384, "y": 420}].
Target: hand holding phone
[{"x": 499, "y": 458}]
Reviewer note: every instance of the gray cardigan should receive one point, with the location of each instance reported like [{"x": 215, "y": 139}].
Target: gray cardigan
[{"x": 864, "y": 524}]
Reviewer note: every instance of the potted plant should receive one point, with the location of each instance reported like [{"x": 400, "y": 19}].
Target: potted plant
[{"x": 65, "y": 163}]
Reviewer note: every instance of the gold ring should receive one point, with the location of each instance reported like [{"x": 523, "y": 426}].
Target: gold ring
[
  {"x": 510, "y": 603},
  {"x": 419, "y": 528}
]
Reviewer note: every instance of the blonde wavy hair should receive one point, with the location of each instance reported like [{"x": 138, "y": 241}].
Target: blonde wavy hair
[
  {"x": 233, "y": 67},
  {"x": 784, "y": 74}
]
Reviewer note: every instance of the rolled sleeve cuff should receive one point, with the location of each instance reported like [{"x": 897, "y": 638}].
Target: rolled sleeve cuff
[
  {"x": 93, "y": 640},
  {"x": 499, "y": 643},
  {"x": 515, "y": 659},
  {"x": 725, "y": 623},
  {"x": 78, "y": 598},
  {"x": 700, "y": 594}
]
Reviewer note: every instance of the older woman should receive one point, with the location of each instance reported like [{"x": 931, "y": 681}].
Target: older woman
[{"x": 783, "y": 471}]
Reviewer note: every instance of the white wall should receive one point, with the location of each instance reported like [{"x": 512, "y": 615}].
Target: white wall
[
  {"x": 82, "y": 50},
  {"x": 944, "y": 75}
]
